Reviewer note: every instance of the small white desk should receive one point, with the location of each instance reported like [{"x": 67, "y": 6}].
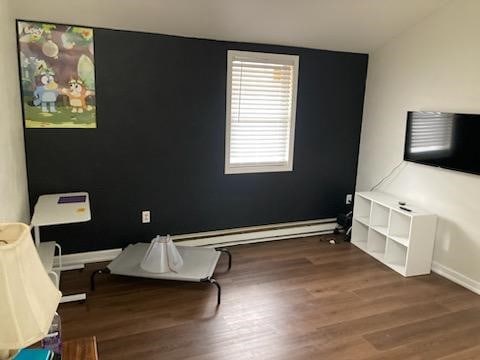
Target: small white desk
[{"x": 48, "y": 211}]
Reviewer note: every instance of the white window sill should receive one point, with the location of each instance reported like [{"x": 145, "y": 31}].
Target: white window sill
[{"x": 249, "y": 169}]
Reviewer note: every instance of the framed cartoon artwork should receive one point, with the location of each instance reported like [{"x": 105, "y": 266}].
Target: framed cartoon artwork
[{"x": 57, "y": 75}]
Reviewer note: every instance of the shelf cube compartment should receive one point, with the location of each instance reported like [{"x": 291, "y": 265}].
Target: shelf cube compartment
[
  {"x": 396, "y": 254},
  {"x": 380, "y": 216},
  {"x": 376, "y": 243},
  {"x": 399, "y": 226},
  {"x": 362, "y": 209},
  {"x": 359, "y": 233}
]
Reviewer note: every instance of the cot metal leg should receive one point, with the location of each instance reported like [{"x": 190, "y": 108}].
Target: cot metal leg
[
  {"x": 226, "y": 251},
  {"x": 219, "y": 288},
  {"x": 94, "y": 274}
]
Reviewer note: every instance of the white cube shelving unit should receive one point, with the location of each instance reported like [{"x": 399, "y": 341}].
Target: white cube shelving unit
[{"x": 402, "y": 240}]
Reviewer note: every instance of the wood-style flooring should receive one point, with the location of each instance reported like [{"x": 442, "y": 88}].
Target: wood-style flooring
[{"x": 290, "y": 299}]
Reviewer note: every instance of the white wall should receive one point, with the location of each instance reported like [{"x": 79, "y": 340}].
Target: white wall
[
  {"x": 13, "y": 179},
  {"x": 433, "y": 66}
]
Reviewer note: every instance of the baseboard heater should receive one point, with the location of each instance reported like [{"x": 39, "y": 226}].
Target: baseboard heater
[
  {"x": 257, "y": 233},
  {"x": 226, "y": 237}
]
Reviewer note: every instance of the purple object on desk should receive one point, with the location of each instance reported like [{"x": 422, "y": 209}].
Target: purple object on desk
[{"x": 72, "y": 199}]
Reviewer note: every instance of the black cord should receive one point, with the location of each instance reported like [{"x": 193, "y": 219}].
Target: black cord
[{"x": 386, "y": 177}]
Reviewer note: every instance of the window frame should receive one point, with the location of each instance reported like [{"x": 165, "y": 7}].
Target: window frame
[{"x": 264, "y": 166}]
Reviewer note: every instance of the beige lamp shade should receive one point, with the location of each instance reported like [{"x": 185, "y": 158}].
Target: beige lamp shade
[{"x": 28, "y": 297}]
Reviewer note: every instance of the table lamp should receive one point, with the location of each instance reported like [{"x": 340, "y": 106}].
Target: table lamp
[{"x": 28, "y": 297}]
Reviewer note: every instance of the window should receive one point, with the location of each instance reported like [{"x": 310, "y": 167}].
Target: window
[{"x": 261, "y": 104}]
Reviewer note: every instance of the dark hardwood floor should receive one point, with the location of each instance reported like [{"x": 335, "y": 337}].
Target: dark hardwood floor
[{"x": 291, "y": 299}]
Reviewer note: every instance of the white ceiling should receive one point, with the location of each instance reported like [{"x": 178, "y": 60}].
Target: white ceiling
[{"x": 345, "y": 25}]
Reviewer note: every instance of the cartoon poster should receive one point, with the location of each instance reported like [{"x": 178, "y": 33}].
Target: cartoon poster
[{"x": 57, "y": 75}]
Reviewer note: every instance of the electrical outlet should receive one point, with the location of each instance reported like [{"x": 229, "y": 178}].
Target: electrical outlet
[
  {"x": 348, "y": 199},
  {"x": 145, "y": 216}
]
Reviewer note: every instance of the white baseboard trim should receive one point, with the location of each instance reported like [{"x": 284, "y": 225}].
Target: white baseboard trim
[
  {"x": 456, "y": 277},
  {"x": 227, "y": 237},
  {"x": 88, "y": 257}
]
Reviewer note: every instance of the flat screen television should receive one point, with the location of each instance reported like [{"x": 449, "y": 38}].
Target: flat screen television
[{"x": 447, "y": 140}]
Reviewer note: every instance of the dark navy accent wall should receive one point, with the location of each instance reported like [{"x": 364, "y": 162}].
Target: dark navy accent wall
[{"x": 160, "y": 143}]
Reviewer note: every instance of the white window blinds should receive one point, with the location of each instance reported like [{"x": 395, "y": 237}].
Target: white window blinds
[
  {"x": 261, "y": 104},
  {"x": 431, "y": 131}
]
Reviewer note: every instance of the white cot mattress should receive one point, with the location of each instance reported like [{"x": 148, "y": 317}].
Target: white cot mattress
[{"x": 198, "y": 263}]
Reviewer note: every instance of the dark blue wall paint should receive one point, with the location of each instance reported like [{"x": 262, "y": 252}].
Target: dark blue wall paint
[{"x": 160, "y": 141}]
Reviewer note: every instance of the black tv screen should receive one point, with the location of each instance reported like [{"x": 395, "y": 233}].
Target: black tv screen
[{"x": 446, "y": 140}]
